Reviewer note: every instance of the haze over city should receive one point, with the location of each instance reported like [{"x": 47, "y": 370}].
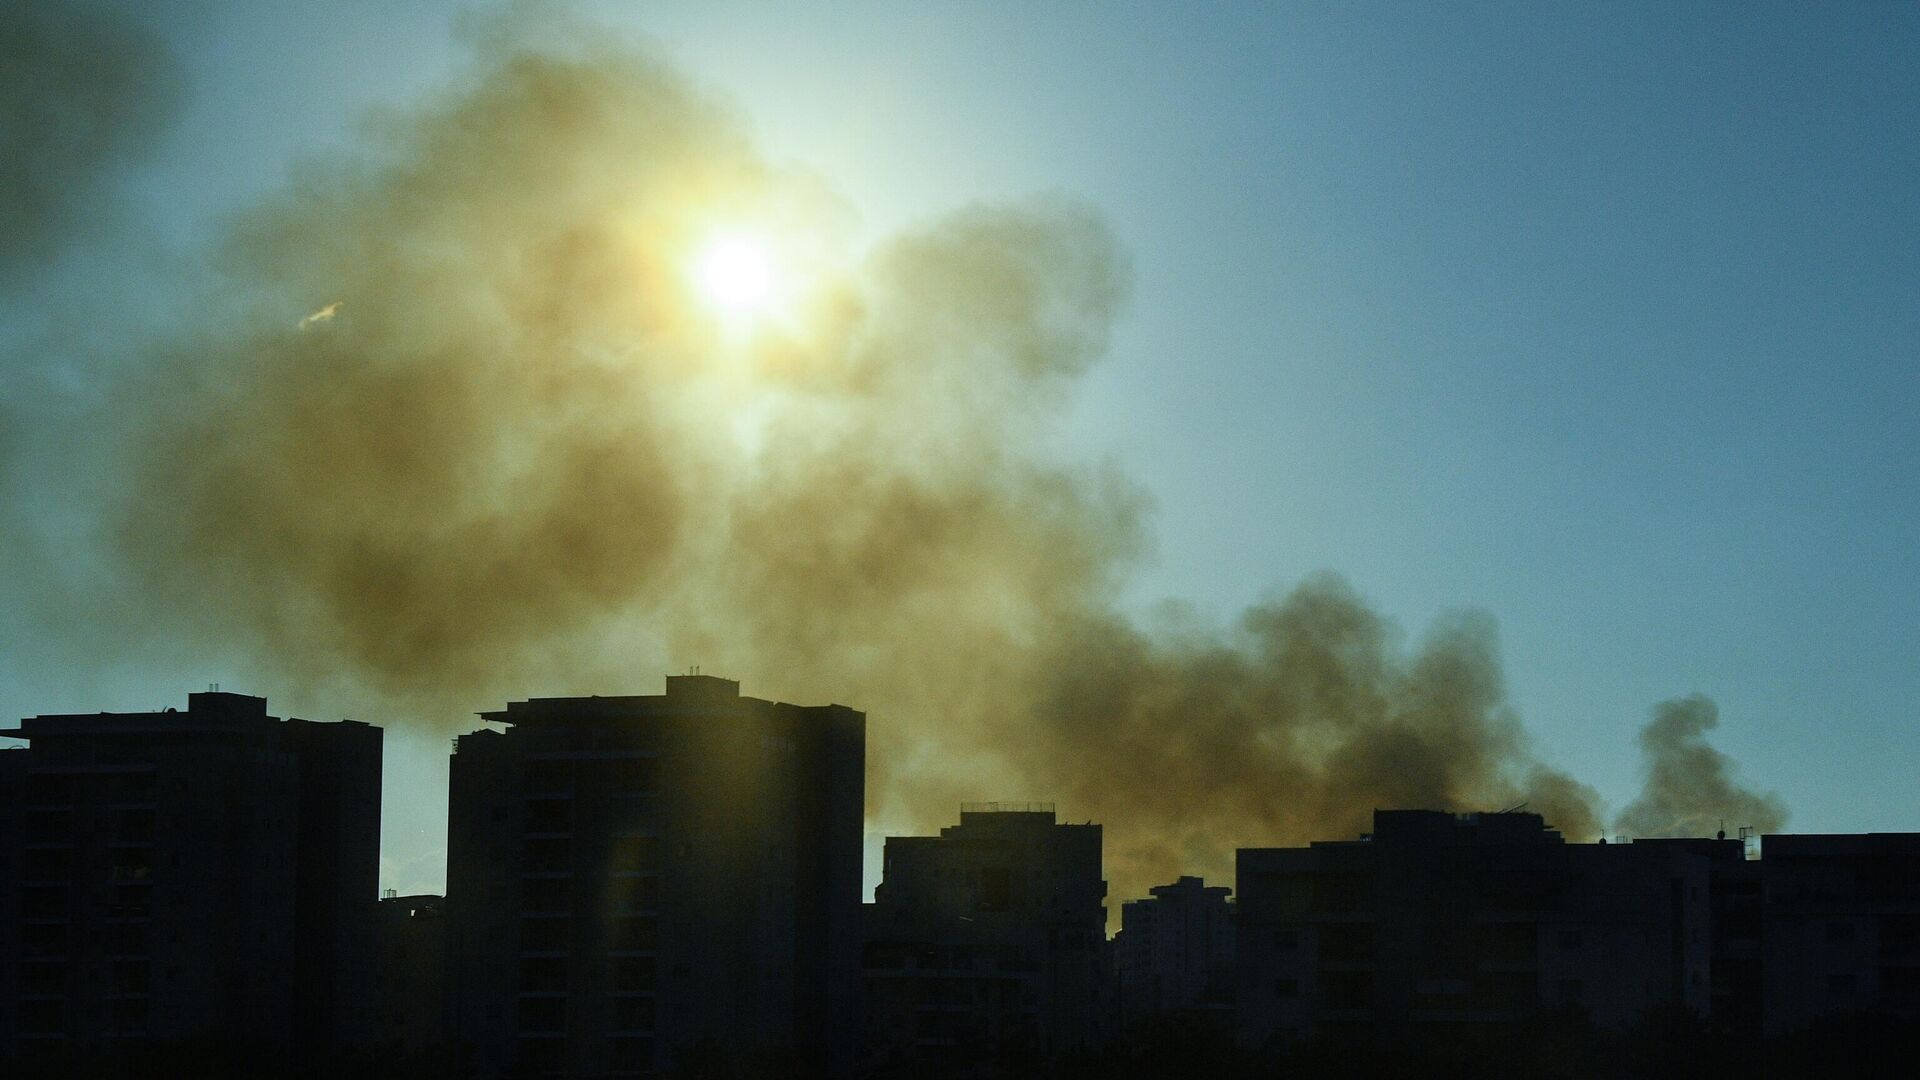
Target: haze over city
[{"x": 1221, "y": 421}]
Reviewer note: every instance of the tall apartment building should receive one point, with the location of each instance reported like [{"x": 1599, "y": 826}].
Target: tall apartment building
[
  {"x": 207, "y": 874},
  {"x": 988, "y": 937},
  {"x": 1440, "y": 919},
  {"x": 1175, "y": 950},
  {"x": 631, "y": 877}
]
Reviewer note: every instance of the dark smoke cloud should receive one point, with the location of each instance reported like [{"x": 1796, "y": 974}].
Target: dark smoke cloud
[
  {"x": 84, "y": 92},
  {"x": 521, "y": 456},
  {"x": 1690, "y": 790}
]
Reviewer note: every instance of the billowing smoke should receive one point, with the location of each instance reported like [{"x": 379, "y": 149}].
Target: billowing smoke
[
  {"x": 83, "y": 93},
  {"x": 523, "y": 454},
  {"x": 1690, "y": 790}
]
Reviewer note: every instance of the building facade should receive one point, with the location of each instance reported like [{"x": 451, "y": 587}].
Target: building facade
[
  {"x": 632, "y": 879},
  {"x": 1174, "y": 952},
  {"x": 1842, "y": 927},
  {"x": 208, "y": 874},
  {"x": 1439, "y": 919},
  {"x": 410, "y": 982},
  {"x": 987, "y": 938}
]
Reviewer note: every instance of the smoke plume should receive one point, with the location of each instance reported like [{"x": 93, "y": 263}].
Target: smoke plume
[
  {"x": 524, "y": 455},
  {"x": 1690, "y": 789},
  {"x": 83, "y": 93}
]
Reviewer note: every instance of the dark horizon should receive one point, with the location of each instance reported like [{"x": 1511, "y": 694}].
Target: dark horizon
[{"x": 669, "y": 885}]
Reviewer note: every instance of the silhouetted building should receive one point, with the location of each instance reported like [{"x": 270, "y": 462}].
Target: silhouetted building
[
  {"x": 1175, "y": 950},
  {"x": 1442, "y": 919},
  {"x": 203, "y": 874},
  {"x": 410, "y": 984},
  {"x": 1842, "y": 927},
  {"x": 630, "y": 876},
  {"x": 988, "y": 937},
  {"x": 1734, "y": 919}
]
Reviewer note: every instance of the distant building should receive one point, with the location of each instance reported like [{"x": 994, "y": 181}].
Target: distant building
[
  {"x": 1842, "y": 932},
  {"x": 630, "y": 877},
  {"x": 1448, "y": 919},
  {"x": 988, "y": 937},
  {"x": 1175, "y": 950},
  {"x": 203, "y": 874},
  {"x": 410, "y": 984}
]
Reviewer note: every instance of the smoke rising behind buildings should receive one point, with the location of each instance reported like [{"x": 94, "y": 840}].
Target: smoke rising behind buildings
[{"x": 521, "y": 457}]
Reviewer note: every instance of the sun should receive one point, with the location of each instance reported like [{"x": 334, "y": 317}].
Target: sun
[{"x": 736, "y": 275}]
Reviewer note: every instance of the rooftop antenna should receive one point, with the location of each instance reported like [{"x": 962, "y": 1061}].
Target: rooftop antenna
[
  {"x": 213, "y": 688},
  {"x": 1515, "y": 808}
]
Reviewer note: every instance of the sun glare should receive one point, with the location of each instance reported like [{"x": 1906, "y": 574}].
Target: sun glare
[{"x": 736, "y": 275}]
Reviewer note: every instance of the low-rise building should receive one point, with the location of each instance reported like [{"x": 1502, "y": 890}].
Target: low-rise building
[
  {"x": 1842, "y": 927},
  {"x": 410, "y": 984},
  {"x": 1438, "y": 919}
]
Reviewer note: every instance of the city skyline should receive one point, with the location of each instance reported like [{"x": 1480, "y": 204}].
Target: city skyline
[{"x": 668, "y": 885}]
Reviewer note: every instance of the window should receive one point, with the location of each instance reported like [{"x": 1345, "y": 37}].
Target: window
[
  {"x": 544, "y": 894},
  {"x": 630, "y": 776},
  {"x": 50, "y": 789},
  {"x": 1839, "y": 932},
  {"x": 43, "y": 1017},
  {"x": 633, "y": 1014},
  {"x": 543, "y": 975},
  {"x": 49, "y": 826},
  {"x": 549, "y": 815},
  {"x": 43, "y": 902},
  {"x": 630, "y": 1055},
  {"x": 128, "y": 939},
  {"x": 130, "y": 976},
  {"x": 543, "y": 935},
  {"x": 1286, "y": 988},
  {"x": 636, "y": 893},
  {"x": 48, "y": 864},
  {"x": 548, "y": 777},
  {"x": 1286, "y": 939},
  {"x": 130, "y": 1015},
  {"x": 547, "y": 857},
  {"x": 135, "y": 826},
  {"x": 1841, "y": 983},
  {"x": 44, "y": 939},
  {"x": 633, "y": 933},
  {"x": 1346, "y": 989},
  {"x": 631, "y": 974},
  {"x": 1571, "y": 939},
  {"x": 635, "y": 855},
  {"x": 996, "y": 888},
  {"x": 43, "y": 977},
  {"x": 543, "y": 1055},
  {"x": 132, "y": 864},
  {"x": 543, "y": 1015}
]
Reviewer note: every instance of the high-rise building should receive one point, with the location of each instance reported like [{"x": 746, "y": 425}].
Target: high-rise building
[
  {"x": 632, "y": 878},
  {"x": 1174, "y": 952},
  {"x": 987, "y": 938},
  {"x": 208, "y": 874}
]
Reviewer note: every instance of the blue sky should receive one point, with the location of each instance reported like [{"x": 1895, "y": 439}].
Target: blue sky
[{"x": 1601, "y": 318}]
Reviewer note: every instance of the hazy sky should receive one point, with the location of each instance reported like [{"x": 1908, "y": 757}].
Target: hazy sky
[{"x": 1602, "y": 318}]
